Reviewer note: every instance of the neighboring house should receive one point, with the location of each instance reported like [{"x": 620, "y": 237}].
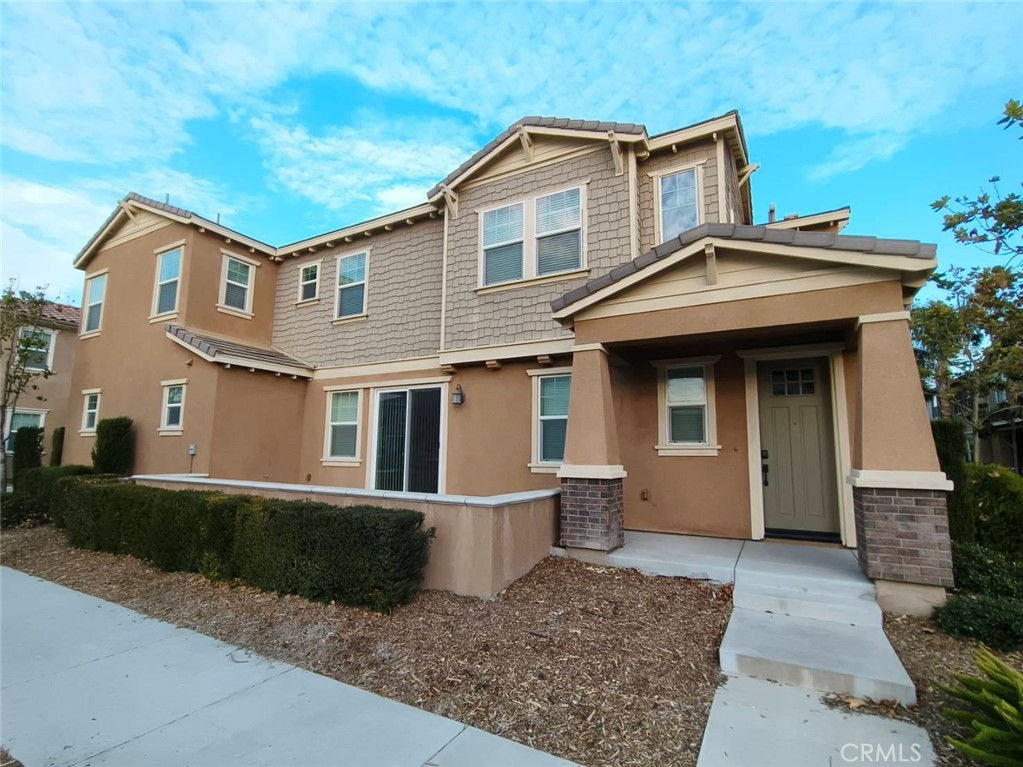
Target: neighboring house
[
  {"x": 580, "y": 305},
  {"x": 46, "y": 405},
  {"x": 1001, "y": 438}
]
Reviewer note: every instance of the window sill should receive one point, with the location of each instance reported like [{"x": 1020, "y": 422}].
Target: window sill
[
  {"x": 90, "y": 334},
  {"x": 544, "y": 468},
  {"x": 234, "y": 312},
  {"x": 165, "y": 317},
  {"x": 308, "y": 301},
  {"x": 688, "y": 450},
  {"x": 170, "y": 432},
  {"x": 348, "y": 320},
  {"x": 87, "y": 432},
  {"x": 353, "y": 463},
  {"x": 557, "y": 277}
]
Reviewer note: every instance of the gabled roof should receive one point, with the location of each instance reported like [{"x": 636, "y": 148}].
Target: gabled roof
[
  {"x": 133, "y": 201},
  {"x": 63, "y": 315},
  {"x": 605, "y": 285},
  {"x": 225, "y": 352},
  {"x": 589, "y": 128}
]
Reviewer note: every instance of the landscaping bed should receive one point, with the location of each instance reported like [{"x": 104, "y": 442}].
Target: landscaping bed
[
  {"x": 599, "y": 666},
  {"x": 931, "y": 658}
]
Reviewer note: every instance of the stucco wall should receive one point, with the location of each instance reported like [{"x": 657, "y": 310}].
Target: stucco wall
[
  {"x": 478, "y": 549},
  {"x": 403, "y": 301},
  {"x": 704, "y": 152},
  {"x": 523, "y": 313}
]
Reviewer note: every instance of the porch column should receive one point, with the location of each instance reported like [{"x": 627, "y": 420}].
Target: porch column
[
  {"x": 899, "y": 490},
  {"x": 592, "y": 503}
]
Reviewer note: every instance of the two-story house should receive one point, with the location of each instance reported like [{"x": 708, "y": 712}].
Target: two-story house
[
  {"x": 44, "y": 404},
  {"x": 580, "y": 305}
]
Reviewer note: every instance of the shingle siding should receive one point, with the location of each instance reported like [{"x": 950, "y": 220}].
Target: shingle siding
[
  {"x": 523, "y": 314},
  {"x": 403, "y": 301},
  {"x": 706, "y": 152}
]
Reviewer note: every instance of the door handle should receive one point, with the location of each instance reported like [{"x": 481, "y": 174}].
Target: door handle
[{"x": 764, "y": 468}]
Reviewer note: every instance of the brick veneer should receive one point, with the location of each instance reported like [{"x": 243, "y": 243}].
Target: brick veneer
[
  {"x": 902, "y": 535},
  {"x": 592, "y": 513}
]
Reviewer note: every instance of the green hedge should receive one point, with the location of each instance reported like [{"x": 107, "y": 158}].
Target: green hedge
[
  {"x": 28, "y": 450},
  {"x": 361, "y": 556},
  {"x": 980, "y": 570},
  {"x": 995, "y": 621},
  {"x": 996, "y": 498},
  {"x": 57, "y": 446},
  {"x": 950, "y": 442},
  {"x": 38, "y": 487},
  {"x": 16, "y": 509},
  {"x": 114, "y": 451}
]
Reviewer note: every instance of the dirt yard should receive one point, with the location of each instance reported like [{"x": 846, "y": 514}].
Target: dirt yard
[{"x": 599, "y": 666}]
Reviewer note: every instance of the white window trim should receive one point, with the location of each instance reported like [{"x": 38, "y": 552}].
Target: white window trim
[
  {"x": 701, "y": 203},
  {"x": 9, "y": 449},
  {"x": 222, "y": 305},
  {"x": 536, "y": 466},
  {"x": 318, "y": 263},
  {"x": 664, "y": 446},
  {"x": 87, "y": 297},
  {"x": 52, "y": 334},
  {"x": 328, "y": 459},
  {"x": 442, "y": 470},
  {"x": 337, "y": 318},
  {"x": 530, "y": 252},
  {"x": 86, "y": 393},
  {"x": 160, "y": 253},
  {"x": 172, "y": 431}
]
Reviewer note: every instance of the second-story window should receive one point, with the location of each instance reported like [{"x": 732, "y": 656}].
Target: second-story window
[
  {"x": 38, "y": 345},
  {"x": 238, "y": 285},
  {"x": 309, "y": 282},
  {"x": 168, "y": 276},
  {"x": 95, "y": 290},
  {"x": 503, "y": 240},
  {"x": 679, "y": 203},
  {"x": 559, "y": 244},
  {"x": 351, "y": 286}
]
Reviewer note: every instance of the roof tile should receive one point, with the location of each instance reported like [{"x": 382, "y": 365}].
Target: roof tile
[{"x": 221, "y": 347}]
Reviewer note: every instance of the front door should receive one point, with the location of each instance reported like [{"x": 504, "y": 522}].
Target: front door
[
  {"x": 408, "y": 436},
  {"x": 797, "y": 449}
]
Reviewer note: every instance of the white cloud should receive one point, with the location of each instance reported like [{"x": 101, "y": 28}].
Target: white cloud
[{"x": 855, "y": 154}]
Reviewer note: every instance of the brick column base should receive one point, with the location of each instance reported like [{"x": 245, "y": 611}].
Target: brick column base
[
  {"x": 592, "y": 513},
  {"x": 902, "y": 535}
]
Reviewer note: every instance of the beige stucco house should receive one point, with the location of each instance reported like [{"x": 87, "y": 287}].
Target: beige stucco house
[
  {"x": 580, "y": 308},
  {"x": 44, "y": 404}
]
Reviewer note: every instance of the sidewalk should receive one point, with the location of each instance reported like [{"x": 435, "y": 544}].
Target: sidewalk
[{"x": 87, "y": 681}]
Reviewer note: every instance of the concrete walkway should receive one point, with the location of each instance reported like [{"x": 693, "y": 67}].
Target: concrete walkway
[{"x": 84, "y": 681}]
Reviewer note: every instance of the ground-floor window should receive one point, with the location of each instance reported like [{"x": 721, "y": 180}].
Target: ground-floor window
[
  {"x": 90, "y": 410},
  {"x": 342, "y": 425},
  {"x": 685, "y": 395},
  {"x": 408, "y": 433},
  {"x": 20, "y": 420},
  {"x": 173, "y": 413},
  {"x": 551, "y": 389}
]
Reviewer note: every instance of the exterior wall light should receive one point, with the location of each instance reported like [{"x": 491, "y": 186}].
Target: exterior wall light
[{"x": 458, "y": 396}]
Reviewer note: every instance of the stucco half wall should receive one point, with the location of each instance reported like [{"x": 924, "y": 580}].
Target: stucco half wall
[{"x": 483, "y": 543}]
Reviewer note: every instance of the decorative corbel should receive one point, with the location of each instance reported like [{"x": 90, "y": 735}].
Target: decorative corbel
[
  {"x": 712, "y": 263},
  {"x": 527, "y": 143},
  {"x": 616, "y": 153},
  {"x": 450, "y": 199},
  {"x": 746, "y": 172},
  {"x": 127, "y": 209}
]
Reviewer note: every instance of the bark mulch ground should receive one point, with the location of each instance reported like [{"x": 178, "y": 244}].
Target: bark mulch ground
[
  {"x": 599, "y": 666},
  {"x": 931, "y": 658}
]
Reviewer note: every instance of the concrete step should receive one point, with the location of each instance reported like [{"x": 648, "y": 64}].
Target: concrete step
[
  {"x": 678, "y": 556},
  {"x": 861, "y": 610},
  {"x": 822, "y": 570},
  {"x": 820, "y": 655}
]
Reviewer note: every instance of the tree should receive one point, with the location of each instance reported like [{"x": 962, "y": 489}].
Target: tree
[
  {"x": 989, "y": 220},
  {"x": 971, "y": 343},
  {"x": 21, "y": 313}
]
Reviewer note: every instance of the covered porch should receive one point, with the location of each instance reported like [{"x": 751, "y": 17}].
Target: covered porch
[{"x": 747, "y": 383}]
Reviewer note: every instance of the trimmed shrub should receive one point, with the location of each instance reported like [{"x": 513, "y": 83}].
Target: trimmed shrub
[
  {"x": 114, "y": 451},
  {"x": 16, "y": 509},
  {"x": 980, "y": 570},
  {"x": 996, "y": 495},
  {"x": 950, "y": 442},
  {"x": 57, "y": 446},
  {"x": 363, "y": 556},
  {"x": 995, "y": 621},
  {"x": 39, "y": 486},
  {"x": 28, "y": 450},
  {"x": 358, "y": 555},
  {"x": 995, "y": 712}
]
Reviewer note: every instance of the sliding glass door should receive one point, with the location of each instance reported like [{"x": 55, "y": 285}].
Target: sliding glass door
[{"x": 408, "y": 436}]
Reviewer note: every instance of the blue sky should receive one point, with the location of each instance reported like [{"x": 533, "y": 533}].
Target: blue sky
[{"x": 290, "y": 120}]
